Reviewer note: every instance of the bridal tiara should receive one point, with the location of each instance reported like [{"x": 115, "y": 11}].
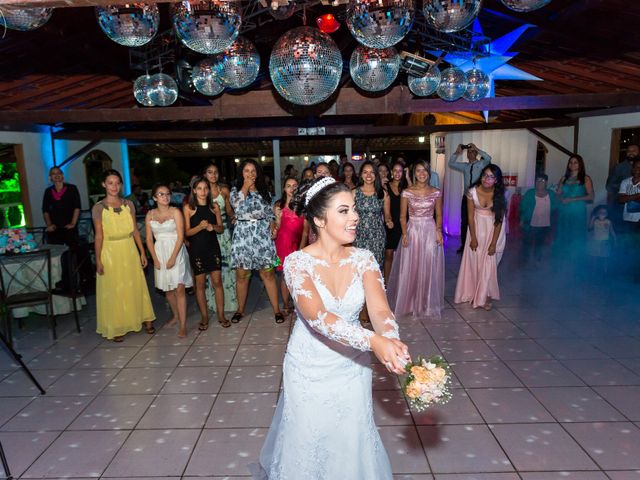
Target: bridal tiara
[{"x": 326, "y": 181}]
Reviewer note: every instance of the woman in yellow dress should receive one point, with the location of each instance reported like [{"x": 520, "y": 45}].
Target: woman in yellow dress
[{"x": 122, "y": 295}]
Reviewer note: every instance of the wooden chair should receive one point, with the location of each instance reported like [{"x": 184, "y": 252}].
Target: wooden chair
[{"x": 25, "y": 281}]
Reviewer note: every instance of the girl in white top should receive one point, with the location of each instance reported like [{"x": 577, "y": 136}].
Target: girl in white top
[{"x": 170, "y": 259}]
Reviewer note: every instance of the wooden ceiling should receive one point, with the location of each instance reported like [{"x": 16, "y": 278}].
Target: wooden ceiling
[{"x": 68, "y": 74}]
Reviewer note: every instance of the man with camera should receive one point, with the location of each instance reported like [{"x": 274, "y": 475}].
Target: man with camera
[{"x": 471, "y": 171}]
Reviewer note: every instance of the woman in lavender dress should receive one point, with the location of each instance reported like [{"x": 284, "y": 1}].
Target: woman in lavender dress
[{"x": 416, "y": 282}]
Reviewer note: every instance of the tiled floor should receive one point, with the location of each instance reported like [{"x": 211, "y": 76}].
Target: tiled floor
[{"x": 547, "y": 387}]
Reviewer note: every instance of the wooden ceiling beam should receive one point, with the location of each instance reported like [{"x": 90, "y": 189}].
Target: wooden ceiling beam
[
  {"x": 263, "y": 104},
  {"x": 241, "y": 134}
]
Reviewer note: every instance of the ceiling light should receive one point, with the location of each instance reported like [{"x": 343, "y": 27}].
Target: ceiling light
[
  {"x": 263, "y": 158},
  {"x": 421, "y": 139},
  {"x": 157, "y": 160},
  {"x": 205, "y": 145},
  {"x": 306, "y": 159},
  {"x": 237, "y": 160}
]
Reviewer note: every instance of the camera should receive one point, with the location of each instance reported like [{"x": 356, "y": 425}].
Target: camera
[{"x": 464, "y": 147}]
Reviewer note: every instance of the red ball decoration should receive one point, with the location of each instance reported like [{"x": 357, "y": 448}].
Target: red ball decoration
[{"x": 327, "y": 23}]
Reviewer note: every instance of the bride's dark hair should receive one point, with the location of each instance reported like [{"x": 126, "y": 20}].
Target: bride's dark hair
[{"x": 318, "y": 204}]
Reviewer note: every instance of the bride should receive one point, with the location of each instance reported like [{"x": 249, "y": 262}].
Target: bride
[{"x": 323, "y": 428}]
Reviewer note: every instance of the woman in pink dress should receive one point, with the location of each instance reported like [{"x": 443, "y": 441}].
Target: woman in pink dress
[
  {"x": 416, "y": 282},
  {"x": 292, "y": 232},
  {"x": 478, "y": 276}
]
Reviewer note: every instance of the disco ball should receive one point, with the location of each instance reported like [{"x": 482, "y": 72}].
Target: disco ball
[
  {"x": 131, "y": 25},
  {"x": 207, "y": 27},
  {"x": 163, "y": 90},
  {"x": 305, "y": 66},
  {"x": 374, "y": 69},
  {"x": 282, "y": 12},
  {"x": 427, "y": 85},
  {"x": 453, "y": 84},
  {"x": 206, "y": 77},
  {"x": 239, "y": 65},
  {"x": 24, "y": 19},
  {"x": 141, "y": 89},
  {"x": 525, "y": 5},
  {"x": 380, "y": 23},
  {"x": 451, "y": 15},
  {"x": 478, "y": 85}
]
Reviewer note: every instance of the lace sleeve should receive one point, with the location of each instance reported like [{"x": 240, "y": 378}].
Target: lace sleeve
[
  {"x": 382, "y": 318},
  {"x": 298, "y": 273}
]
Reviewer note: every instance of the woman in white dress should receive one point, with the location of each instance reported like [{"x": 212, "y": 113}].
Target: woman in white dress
[
  {"x": 323, "y": 428},
  {"x": 171, "y": 263}
]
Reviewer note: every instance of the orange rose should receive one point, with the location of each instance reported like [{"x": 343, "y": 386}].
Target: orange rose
[
  {"x": 438, "y": 374},
  {"x": 421, "y": 374},
  {"x": 413, "y": 391}
]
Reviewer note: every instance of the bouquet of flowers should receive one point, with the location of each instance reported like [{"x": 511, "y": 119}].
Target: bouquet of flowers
[
  {"x": 427, "y": 382},
  {"x": 16, "y": 240}
]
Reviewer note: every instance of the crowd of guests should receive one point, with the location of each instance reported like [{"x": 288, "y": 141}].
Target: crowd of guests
[
  {"x": 556, "y": 222},
  {"x": 224, "y": 233}
]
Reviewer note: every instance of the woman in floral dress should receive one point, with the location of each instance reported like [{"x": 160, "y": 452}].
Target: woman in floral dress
[
  {"x": 252, "y": 246},
  {"x": 371, "y": 202}
]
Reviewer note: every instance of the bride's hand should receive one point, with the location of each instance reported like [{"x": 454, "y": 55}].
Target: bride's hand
[{"x": 391, "y": 353}]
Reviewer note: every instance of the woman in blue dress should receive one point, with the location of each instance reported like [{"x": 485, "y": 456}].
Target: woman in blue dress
[
  {"x": 252, "y": 246},
  {"x": 575, "y": 190}
]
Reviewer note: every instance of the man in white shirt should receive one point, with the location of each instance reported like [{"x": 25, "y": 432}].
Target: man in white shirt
[
  {"x": 629, "y": 195},
  {"x": 471, "y": 169}
]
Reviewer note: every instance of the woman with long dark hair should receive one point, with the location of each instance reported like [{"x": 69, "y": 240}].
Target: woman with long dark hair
[
  {"x": 416, "y": 283},
  {"x": 349, "y": 177},
  {"x": 372, "y": 202},
  {"x": 292, "y": 232},
  {"x": 220, "y": 194},
  {"x": 486, "y": 205},
  {"x": 252, "y": 246},
  {"x": 574, "y": 190},
  {"x": 323, "y": 427},
  {"x": 122, "y": 296},
  {"x": 203, "y": 222},
  {"x": 394, "y": 233}
]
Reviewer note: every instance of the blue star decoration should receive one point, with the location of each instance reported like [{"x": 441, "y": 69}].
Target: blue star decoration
[{"x": 495, "y": 63}]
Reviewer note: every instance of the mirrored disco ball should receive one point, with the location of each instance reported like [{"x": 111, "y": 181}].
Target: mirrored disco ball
[
  {"x": 239, "y": 65},
  {"x": 305, "y": 66},
  {"x": 163, "y": 90},
  {"x": 380, "y": 23},
  {"x": 374, "y": 69},
  {"x": 427, "y": 85},
  {"x": 141, "y": 89},
  {"x": 131, "y": 25},
  {"x": 478, "y": 85},
  {"x": 453, "y": 84},
  {"x": 451, "y": 15},
  {"x": 206, "y": 77},
  {"x": 207, "y": 27},
  {"x": 525, "y": 5},
  {"x": 24, "y": 19},
  {"x": 282, "y": 12}
]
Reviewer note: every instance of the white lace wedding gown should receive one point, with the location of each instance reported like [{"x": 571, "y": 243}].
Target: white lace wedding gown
[{"x": 323, "y": 428}]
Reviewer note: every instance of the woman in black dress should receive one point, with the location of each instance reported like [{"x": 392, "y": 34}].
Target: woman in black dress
[
  {"x": 203, "y": 222},
  {"x": 395, "y": 186}
]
